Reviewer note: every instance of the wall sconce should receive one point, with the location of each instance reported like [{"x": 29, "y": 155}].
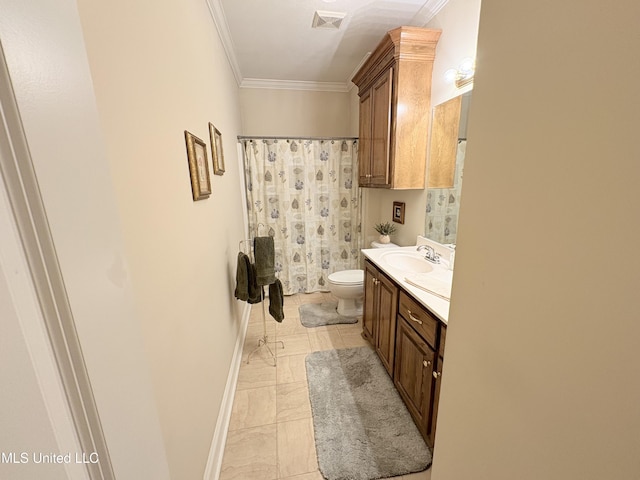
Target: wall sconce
[{"x": 463, "y": 75}]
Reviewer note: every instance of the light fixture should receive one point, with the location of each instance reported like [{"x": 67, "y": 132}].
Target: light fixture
[{"x": 463, "y": 75}]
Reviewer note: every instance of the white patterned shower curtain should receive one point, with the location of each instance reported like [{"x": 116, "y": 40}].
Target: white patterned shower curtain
[{"x": 305, "y": 194}]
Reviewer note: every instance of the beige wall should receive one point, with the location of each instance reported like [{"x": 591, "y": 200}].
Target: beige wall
[
  {"x": 541, "y": 375},
  {"x": 458, "y": 21},
  {"x": 273, "y": 112},
  {"x": 159, "y": 69}
]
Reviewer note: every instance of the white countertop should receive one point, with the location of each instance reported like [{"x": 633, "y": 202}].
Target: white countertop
[{"x": 435, "y": 304}]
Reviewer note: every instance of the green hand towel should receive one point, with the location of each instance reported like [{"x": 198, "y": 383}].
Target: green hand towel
[
  {"x": 264, "y": 253},
  {"x": 255, "y": 292},
  {"x": 247, "y": 289},
  {"x": 242, "y": 277},
  {"x": 276, "y": 300}
]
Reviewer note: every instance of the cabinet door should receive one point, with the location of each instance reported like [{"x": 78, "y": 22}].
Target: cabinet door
[
  {"x": 370, "y": 301},
  {"x": 413, "y": 373},
  {"x": 437, "y": 378},
  {"x": 381, "y": 130},
  {"x": 364, "y": 149},
  {"x": 386, "y": 321}
]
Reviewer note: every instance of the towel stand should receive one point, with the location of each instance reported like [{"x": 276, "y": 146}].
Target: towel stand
[{"x": 263, "y": 342}]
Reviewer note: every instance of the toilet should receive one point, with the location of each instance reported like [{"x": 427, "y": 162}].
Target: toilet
[{"x": 348, "y": 287}]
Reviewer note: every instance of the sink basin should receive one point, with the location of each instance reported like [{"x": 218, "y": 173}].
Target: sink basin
[{"x": 407, "y": 262}]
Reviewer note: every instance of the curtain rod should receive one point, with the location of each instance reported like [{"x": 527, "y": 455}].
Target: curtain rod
[{"x": 243, "y": 137}]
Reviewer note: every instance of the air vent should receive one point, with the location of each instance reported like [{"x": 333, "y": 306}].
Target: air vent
[{"x": 331, "y": 20}]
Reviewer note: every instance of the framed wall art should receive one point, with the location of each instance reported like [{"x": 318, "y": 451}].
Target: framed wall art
[
  {"x": 216, "y": 150},
  {"x": 198, "y": 166},
  {"x": 398, "y": 212}
]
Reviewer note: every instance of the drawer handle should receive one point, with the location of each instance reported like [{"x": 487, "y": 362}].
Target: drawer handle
[
  {"x": 436, "y": 375},
  {"x": 426, "y": 363},
  {"x": 411, "y": 317}
]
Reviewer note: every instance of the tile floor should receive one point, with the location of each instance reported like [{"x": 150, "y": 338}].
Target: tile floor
[{"x": 271, "y": 430}]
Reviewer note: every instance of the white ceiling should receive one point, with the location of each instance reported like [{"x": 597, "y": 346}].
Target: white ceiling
[{"x": 270, "y": 43}]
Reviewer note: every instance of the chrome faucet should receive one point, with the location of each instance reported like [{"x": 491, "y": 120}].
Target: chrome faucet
[{"x": 431, "y": 255}]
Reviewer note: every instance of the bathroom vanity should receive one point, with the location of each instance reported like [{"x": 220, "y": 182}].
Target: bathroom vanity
[{"x": 407, "y": 327}]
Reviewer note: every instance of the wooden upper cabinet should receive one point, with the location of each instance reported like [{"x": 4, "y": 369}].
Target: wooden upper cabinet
[
  {"x": 380, "y": 130},
  {"x": 444, "y": 144},
  {"x": 364, "y": 149},
  {"x": 394, "y": 86}
]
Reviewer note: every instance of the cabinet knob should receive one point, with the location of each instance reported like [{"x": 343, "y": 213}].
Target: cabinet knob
[
  {"x": 426, "y": 363},
  {"x": 436, "y": 375},
  {"x": 412, "y": 318}
]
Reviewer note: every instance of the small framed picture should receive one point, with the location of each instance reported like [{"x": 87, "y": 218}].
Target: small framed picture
[
  {"x": 216, "y": 150},
  {"x": 398, "y": 212},
  {"x": 198, "y": 166}
]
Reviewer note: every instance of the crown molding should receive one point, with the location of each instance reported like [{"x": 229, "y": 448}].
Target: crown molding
[
  {"x": 220, "y": 21},
  {"x": 295, "y": 85},
  {"x": 429, "y": 10},
  {"x": 355, "y": 70}
]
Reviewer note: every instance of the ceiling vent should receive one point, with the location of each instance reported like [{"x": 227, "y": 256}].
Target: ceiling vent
[{"x": 331, "y": 20}]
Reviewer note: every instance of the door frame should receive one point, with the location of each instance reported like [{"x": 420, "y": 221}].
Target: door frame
[{"x": 51, "y": 337}]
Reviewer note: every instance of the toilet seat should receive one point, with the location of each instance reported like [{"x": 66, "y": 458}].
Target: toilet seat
[{"x": 347, "y": 277}]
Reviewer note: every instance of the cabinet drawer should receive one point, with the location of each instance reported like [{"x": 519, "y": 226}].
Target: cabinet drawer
[{"x": 418, "y": 318}]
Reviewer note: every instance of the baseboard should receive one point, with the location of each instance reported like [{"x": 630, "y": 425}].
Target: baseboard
[{"x": 214, "y": 462}]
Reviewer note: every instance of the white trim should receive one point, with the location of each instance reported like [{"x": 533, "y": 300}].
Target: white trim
[
  {"x": 27, "y": 309},
  {"x": 295, "y": 85},
  {"x": 216, "y": 452},
  {"x": 220, "y": 21},
  {"x": 429, "y": 10},
  {"x": 355, "y": 70},
  {"x": 25, "y": 302}
]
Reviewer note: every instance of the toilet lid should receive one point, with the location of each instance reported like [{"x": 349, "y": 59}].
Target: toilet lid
[{"x": 346, "y": 277}]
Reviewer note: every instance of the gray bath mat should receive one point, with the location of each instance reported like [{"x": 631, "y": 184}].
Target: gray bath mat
[
  {"x": 363, "y": 430},
  {"x": 319, "y": 314}
]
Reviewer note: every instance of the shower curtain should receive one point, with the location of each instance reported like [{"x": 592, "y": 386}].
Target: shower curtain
[{"x": 305, "y": 194}]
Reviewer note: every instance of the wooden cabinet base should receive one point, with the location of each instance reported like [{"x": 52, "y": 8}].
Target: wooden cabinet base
[
  {"x": 413, "y": 374},
  {"x": 379, "y": 316},
  {"x": 409, "y": 341}
]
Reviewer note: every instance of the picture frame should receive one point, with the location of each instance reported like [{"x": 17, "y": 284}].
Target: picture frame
[
  {"x": 216, "y": 150},
  {"x": 398, "y": 212},
  {"x": 198, "y": 166}
]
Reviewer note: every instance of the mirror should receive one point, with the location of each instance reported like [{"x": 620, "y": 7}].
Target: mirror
[{"x": 449, "y": 138}]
